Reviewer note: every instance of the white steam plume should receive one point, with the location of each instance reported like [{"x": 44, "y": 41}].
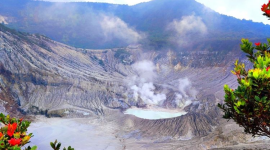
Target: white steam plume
[
  {"x": 142, "y": 84},
  {"x": 186, "y": 93}
]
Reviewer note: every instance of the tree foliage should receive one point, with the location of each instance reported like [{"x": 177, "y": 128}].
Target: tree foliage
[{"x": 249, "y": 104}]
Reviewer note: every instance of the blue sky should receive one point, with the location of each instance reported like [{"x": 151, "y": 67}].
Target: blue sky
[{"x": 241, "y": 9}]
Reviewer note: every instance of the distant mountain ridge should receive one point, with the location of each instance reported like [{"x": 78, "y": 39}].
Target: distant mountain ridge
[{"x": 86, "y": 24}]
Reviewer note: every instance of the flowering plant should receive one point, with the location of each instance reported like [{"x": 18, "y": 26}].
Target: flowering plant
[
  {"x": 249, "y": 104},
  {"x": 13, "y": 134},
  {"x": 266, "y": 9}
]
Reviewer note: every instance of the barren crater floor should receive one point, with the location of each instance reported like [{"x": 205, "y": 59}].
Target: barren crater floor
[{"x": 81, "y": 134}]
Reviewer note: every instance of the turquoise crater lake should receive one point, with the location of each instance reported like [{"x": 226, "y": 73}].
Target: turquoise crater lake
[{"x": 154, "y": 114}]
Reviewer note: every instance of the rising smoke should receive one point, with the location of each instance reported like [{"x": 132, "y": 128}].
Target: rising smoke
[
  {"x": 186, "y": 93},
  {"x": 142, "y": 85}
]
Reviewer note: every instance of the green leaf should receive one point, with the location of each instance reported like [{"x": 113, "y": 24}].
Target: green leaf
[
  {"x": 238, "y": 104},
  {"x": 34, "y": 148},
  {"x": 52, "y": 145},
  {"x": 58, "y": 146},
  {"x": 264, "y": 99},
  {"x": 243, "y": 103},
  {"x": 16, "y": 148},
  {"x": 226, "y": 87},
  {"x": 236, "y": 109},
  {"x": 257, "y": 98}
]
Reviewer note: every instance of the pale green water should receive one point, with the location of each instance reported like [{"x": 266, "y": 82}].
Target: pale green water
[{"x": 153, "y": 114}]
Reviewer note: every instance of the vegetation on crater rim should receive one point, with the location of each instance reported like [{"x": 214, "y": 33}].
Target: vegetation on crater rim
[{"x": 249, "y": 104}]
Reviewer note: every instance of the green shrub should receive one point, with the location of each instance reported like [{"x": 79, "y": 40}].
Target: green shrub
[{"x": 249, "y": 104}]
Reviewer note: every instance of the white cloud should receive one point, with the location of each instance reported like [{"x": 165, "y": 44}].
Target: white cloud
[
  {"x": 241, "y": 9},
  {"x": 187, "y": 25},
  {"x": 113, "y": 27},
  {"x": 186, "y": 29},
  {"x": 129, "y": 2},
  {"x": 3, "y": 19}
]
